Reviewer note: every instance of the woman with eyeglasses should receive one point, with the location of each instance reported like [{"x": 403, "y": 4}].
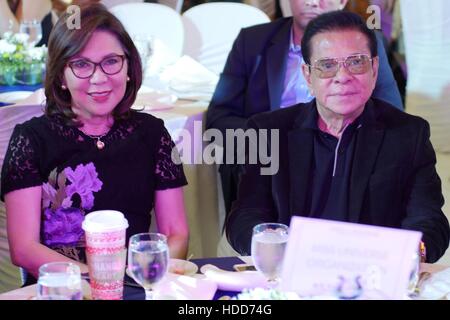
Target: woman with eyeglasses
[{"x": 89, "y": 151}]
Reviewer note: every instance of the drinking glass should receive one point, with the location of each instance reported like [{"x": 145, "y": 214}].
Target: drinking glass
[
  {"x": 33, "y": 29},
  {"x": 268, "y": 245},
  {"x": 414, "y": 275},
  {"x": 59, "y": 281},
  {"x": 148, "y": 260},
  {"x": 144, "y": 45}
]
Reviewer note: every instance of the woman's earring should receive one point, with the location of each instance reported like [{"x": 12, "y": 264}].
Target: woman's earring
[
  {"x": 63, "y": 87},
  {"x": 128, "y": 78}
]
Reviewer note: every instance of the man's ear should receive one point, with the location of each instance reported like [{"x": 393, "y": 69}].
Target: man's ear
[
  {"x": 307, "y": 75},
  {"x": 375, "y": 66}
]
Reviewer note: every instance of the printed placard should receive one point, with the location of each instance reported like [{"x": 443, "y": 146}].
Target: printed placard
[{"x": 326, "y": 257}]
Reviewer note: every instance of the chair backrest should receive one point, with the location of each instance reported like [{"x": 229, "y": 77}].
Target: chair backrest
[
  {"x": 9, "y": 117},
  {"x": 152, "y": 19},
  {"x": 176, "y": 5},
  {"x": 112, "y": 3},
  {"x": 285, "y": 8},
  {"x": 211, "y": 28}
]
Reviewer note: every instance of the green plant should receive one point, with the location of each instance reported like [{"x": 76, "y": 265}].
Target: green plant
[{"x": 21, "y": 63}]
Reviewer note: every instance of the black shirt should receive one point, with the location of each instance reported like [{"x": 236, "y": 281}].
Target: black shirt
[{"x": 331, "y": 170}]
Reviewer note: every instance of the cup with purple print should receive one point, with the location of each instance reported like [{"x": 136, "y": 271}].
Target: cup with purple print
[{"x": 106, "y": 253}]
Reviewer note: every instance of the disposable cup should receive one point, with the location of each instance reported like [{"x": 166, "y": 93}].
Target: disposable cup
[{"x": 105, "y": 233}]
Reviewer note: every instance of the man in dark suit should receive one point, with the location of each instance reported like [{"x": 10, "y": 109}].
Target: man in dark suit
[
  {"x": 263, "y": 73},
  {"x": 343, "y": 156}
]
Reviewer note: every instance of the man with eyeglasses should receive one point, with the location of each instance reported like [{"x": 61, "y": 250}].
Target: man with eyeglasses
[
  {"x": 344, "y": 156},
  {"x": 263, "y": 73}
]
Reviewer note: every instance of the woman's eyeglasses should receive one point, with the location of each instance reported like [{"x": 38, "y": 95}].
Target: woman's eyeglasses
[
  {"x": 84, "y": 68},
  {"x": 329, "y": 67}
]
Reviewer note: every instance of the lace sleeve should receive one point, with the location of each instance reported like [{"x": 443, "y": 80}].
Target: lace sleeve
[
  {"x": 168, "y": 174},
  {"x": 20, "y": 168}
]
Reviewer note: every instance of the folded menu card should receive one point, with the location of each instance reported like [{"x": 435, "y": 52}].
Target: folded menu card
[{"x": 343, "y": 259}]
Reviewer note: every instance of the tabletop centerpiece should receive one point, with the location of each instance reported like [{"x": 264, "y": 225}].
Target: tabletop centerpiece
[{"x": 20, "y": 62}]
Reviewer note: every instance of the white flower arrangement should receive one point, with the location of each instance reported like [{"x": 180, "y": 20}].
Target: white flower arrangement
[
  {"x": 266, "y": 294},
  {"x": 275, "y": 294},
  {"x": 19, "y": 62}
]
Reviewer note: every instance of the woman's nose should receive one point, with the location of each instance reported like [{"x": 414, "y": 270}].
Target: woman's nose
[{"x": 98, "y": 76}]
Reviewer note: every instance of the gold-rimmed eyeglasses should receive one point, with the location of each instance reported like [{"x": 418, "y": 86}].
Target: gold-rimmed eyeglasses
[
  {"x": 85, "y": 68},
  {"x": 329, "y": 67}
]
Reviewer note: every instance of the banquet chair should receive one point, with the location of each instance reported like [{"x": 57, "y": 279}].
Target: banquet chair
[
  {"x": 176, "y": 5},
  {"x": 152, "y": 19},
  {"x": 9, "y": 117},
  {"x": 211, "y": 28},
  {"x": 112, "y": 3}
]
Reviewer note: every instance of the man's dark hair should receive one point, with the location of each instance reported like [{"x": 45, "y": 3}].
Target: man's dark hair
[{"x": 336, "y": 21}]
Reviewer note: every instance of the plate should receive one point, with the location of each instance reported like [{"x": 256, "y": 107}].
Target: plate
[
  {"x": 182, "y": 267},
  {"x": 148, "y": 99},
  {"x": 178, "y": 267},
  {"x": 233, "y": 281},
  {"x": 176, "y": 287}
]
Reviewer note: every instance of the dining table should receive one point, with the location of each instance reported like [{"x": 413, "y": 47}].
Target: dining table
[{"x": 132, "y": 291}]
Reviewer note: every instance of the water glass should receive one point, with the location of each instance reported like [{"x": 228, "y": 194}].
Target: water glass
[
  {"x": 148, "y": 260},
  {"x": 59, "y": 281},
  {"x": 268, "y": 246},
  {"x": 33, "y": 29},
  {"x": 414, "y": 275},
  {"x": 144, "y": 45}
]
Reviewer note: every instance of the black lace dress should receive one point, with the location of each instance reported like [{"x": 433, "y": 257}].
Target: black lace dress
[{"x": 77, "y": 178}]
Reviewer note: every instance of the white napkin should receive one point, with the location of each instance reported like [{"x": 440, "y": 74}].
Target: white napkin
[
  {"x": 437, "y": 286},
  {"x": 233, "y": 281},
  {"x": 189, "y": 79},
  {"x": 177, "y": 287},
  {"x": 161, "y": 57}
]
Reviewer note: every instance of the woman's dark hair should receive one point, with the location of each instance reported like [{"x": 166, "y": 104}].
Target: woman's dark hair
[
  {"x": 336, "y": 21},
  {"x": 66, "y": 42}
]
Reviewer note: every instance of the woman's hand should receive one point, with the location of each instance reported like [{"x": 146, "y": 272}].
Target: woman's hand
[{"x": 171, "y": 220}]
